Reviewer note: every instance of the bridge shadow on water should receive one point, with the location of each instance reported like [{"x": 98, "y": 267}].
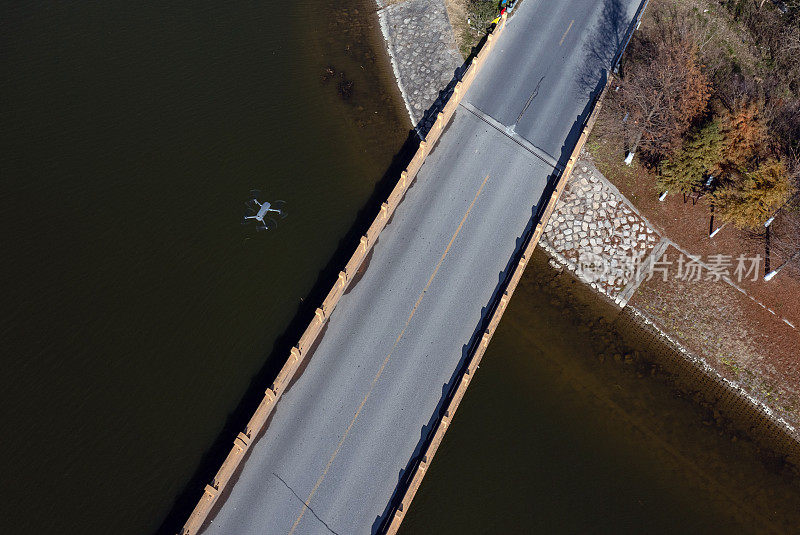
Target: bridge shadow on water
[
  {"x": 468, "y": 350},
  {"x": 275, "y": 359}
]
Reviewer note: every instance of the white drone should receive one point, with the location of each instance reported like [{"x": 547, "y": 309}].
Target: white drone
[{"x": 260, "y": 212}]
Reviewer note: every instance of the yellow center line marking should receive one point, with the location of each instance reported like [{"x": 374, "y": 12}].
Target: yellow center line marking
[
  {"x": 386, "y": 360},
  {"x": 566, "y": 32}
]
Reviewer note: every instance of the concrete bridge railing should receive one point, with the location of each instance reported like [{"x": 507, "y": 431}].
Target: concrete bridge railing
[
  {"x": 496, "y": 314},
  {"x": 255, "y": 425}
]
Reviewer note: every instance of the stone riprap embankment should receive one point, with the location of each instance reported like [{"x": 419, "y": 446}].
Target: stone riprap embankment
[
  {"x": 596, "y": 233},
  {"x": 423, "y": 53}
]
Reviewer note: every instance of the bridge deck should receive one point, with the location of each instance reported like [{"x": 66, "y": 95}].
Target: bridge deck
[{"x": 341, "y": 435}]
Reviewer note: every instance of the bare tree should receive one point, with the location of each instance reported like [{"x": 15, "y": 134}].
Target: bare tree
[{"x": 663, "y": 88}]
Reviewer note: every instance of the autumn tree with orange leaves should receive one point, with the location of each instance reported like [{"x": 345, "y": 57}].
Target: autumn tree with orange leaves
[{"x": 745, "y": 133}]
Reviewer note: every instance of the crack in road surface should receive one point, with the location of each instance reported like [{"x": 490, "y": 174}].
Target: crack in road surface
[
  {"x": 530, "y": 99},
  {"x": 309, "y": 507}
]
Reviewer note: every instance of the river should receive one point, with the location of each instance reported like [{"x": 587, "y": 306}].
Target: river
[{"x": 142, "y": 319}]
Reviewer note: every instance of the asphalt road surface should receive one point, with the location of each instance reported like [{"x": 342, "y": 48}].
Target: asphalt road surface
[{"x": 341, "y": 436}]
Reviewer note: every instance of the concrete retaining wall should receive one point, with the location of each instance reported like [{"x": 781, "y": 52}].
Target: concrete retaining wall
[{"x": 256, "y": 424}]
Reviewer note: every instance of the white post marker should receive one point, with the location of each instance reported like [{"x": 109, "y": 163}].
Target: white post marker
[
  {"x": 629, "y": 158},
  {"x": 663, "y": 196},
  {"x": 769, "y": 276},
  {"x": 716, "y": 230}
]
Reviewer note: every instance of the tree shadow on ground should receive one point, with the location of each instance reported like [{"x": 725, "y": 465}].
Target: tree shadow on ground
[{"x": 604, "y": 45}]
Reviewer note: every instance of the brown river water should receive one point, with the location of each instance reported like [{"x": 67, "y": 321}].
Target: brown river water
[{"x": 142, "y": 322}]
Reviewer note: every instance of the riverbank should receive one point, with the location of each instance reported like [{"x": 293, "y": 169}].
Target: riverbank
[
  {"x": 597, "y": 233},
  {"x": 426, "y": 63}
]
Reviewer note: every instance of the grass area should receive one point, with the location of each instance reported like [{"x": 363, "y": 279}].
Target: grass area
[
  {"x": 470, "y": 20},
  {"x": 726, "y": 44},
  {"x": 607, "y": 152}
]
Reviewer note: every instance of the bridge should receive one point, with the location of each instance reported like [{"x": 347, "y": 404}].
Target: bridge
[{"x": 344, "y": 434}]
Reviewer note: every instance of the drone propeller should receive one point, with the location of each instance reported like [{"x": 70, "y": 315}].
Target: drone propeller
[
  {"x": 278, "y": 205},
  {"x": 252, "y": 205},
  {"x": 267, "y": 224}
]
